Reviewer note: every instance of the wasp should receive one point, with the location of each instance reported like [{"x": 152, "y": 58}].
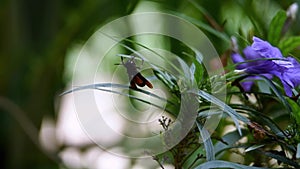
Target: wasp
[{"x": 135, "y": 77}]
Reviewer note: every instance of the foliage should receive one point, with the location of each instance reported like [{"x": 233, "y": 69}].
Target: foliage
[
  {"x": 264, "y": 121},
  {"x": 262, "y": 136}
]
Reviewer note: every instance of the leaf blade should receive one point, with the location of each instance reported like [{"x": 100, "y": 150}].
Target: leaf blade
[
  {"x": 224, "y": 164},
  {"x": 288, "y": 45},
  {"x": 276, "y": 26},
  {"x": 227, "y": 109},
  {"x": 208, "y": 145}
]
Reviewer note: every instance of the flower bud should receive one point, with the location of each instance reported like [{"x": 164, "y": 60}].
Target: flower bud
[
  {"x": 292, "y": 11},
  {"x": 234, "y": 44}
]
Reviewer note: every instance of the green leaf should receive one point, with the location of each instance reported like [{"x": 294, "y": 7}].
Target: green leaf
[
  {"x": 99, "y": 86},
  {"x": 277, "y": 155},
  {"x": 203, "y": 26},
  {"x": 94, "y": 86},
  {"x": 263, "y": 87},
  {"x": 298, "y": 151},
  {"x": 208, "y": 113},
  {"x": 276, "y": 91},
  {"x": 295, "y": 110},
  {"x": 276, "y": 26},
  {"x": 227, "y": 109},
  {"x": 168, "y": 61},
  {"x": 139, "y": 55},
  {"x": 169, "y": 80},
  {"x": 108, "y": 87},
  {"x": 289, "y": 44},
  {"x": 278, "y": 94},
  {"x": 260, "y": 118},
  {"x": 228, "y": 141},
  {"x": 192, "y": 71},
  {"x": 254, "y": 147},
  {"x": 208, "y": 145},
  {"x": 224, "y": 164},
  {"x": 197, "y": 69}
]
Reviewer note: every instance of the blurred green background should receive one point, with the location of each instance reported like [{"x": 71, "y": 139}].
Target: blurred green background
[{"x": 35, "y": 37}]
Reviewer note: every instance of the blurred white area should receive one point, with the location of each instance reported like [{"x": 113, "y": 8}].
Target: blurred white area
[
  {"x": 108, "y": 160},
  {"x": 48, "y": 135},
  {"x": 72, "y": 158},
  {"x": 68, "y": 128}
]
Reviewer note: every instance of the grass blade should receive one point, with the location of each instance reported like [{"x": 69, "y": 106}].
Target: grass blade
[
  {"x": 208, "y": 145},
  {"x": 227, "y": 109},
  {"x": 109, "y": 86},
  {"x": 224, "y": 164},
  {"x": 276, "y": 26}
]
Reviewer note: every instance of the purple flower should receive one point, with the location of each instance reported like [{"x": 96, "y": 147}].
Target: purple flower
[
  {"x": 264, "y": 59},
  {"x": 291, "y": 77}
]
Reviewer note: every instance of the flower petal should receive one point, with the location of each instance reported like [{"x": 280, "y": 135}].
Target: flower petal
[
  {"x": 237, "y": 58},
  {"x": 286, "y": 69},
  {"x": 265, "y": 49},
  {"x": 247, "y": 85},
  {"x": 249, "y": 81},
  {"x": 258, "y": 66},
  {"x": 292, "y": 75},
  {"x": 262, "y": 67},
  {"x": 251, "y": 54},
  {"x": 287, "y": 89}
]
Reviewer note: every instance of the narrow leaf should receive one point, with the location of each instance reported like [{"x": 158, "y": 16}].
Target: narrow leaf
[
  {"x": 281, "y": 158},
  {"x": 254, "y": 147},
  {"x": 113, "y": 85},
  {"x": 203, "y": 26},
  {"x": 198, "y": 73},
  {"x": 277, "y": 93},
  {"x": 276, "y": 26},
  {"x": 208, "y": 145},
  {"x": 168, "y": 79},
  {"x": 260, "y": 118},
  {"x": 224, "y": 164},
  {"x": 298, "y": 151},
  {"x": 228, "y": 141},
  {"x": 295, "y": 110},
  {"x": 289, "y": 44},
  {"x": 231, "y": 112},
  {"x": 107, "y": 87}
]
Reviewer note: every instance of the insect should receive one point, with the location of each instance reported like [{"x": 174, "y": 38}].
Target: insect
[{"x": 135, "y": 77}]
